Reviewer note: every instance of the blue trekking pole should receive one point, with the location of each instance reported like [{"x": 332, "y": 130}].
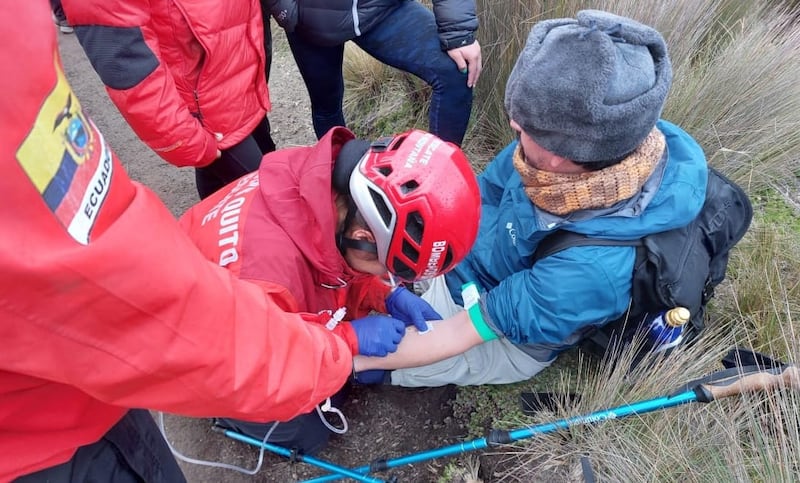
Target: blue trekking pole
[
  {"x": 295, "y": 456},
  {"x": 758, "y": 374}
]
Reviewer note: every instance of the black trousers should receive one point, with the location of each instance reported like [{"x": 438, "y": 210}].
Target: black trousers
[
  {"x": 133, "y": 451},
  {"x": 236, "y": 161}
]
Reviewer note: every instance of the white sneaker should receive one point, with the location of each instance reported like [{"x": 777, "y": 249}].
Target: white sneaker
[{"x": 63, "y": 26}]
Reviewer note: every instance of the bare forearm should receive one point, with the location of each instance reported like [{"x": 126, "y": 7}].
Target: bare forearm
[{"x": 448, "y": 338}]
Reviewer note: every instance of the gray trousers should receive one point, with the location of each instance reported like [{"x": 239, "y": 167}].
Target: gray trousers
[{"x": 495, "y": 362}]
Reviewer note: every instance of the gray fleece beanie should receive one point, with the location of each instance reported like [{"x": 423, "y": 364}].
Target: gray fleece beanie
[{"x": 589, "y": 89}]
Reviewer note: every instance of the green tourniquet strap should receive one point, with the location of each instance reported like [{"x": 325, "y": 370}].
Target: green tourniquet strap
[
  {"x": 481, "y": 326},
  {"x": 469, "y": 292}
]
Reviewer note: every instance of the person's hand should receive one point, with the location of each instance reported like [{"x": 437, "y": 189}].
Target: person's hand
[
  {"x": 218, "y": 137},
  {"x": 468, "y": 61},
  {"x": 404, "y": 305},
  {"x": 378, "y": 335}
]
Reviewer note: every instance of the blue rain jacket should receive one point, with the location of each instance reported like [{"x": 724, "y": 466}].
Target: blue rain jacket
[{"x": 546, "y": 308}]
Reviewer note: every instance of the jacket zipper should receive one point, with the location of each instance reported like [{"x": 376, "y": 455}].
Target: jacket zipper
[
  {"x": 197, "y": 103},
  {"x": 195, "y": 93}
]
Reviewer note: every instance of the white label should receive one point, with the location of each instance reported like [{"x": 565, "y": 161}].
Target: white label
[{"x": 470, "y": 295}]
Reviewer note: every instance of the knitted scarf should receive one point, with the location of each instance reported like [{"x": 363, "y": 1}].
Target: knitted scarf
[{"x": 561, "y": 193}]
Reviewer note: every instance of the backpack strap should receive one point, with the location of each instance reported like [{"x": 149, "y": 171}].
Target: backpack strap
[{"x": 562, "y": 239}]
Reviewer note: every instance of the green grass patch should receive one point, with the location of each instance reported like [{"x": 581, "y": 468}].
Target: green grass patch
[{"x": 777, "y": 210}]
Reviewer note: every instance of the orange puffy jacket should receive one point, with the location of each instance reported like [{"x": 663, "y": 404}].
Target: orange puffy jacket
[
  {"x": 182, "y": 73},
  {"x": 105, "y": 303}
]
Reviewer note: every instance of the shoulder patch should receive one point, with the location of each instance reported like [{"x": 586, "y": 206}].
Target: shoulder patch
[{"x": 67, "y": 160}]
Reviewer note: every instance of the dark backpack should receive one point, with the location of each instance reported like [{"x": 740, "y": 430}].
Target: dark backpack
[{"x": 679, "y": 267}]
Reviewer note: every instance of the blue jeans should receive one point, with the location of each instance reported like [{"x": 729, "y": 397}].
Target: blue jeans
[{"x": 407, "y": 40}]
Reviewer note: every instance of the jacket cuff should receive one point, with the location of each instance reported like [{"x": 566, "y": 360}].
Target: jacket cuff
[
  {"x": 348, "y": 334},
  {"x": 456, "y": 42},
  {"x": 210, "y": 153}
]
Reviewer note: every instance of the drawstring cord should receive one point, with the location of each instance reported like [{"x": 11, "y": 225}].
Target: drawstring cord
[
  {"x": 327, "y": 407},
  {"x": 216, "y": 464}
]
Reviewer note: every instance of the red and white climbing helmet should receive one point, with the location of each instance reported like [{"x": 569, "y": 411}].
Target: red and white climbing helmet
[{"x": 420, "y": 198}]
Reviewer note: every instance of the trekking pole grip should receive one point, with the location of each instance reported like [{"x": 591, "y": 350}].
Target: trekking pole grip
[{"x": 785, "y": 376}]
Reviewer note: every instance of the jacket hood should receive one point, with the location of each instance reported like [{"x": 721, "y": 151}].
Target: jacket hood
[
  {"x": 670, "y": 198},
  {"x": 297, "y": 192}
]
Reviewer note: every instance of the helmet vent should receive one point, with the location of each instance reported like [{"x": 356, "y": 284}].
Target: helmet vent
[
  {"x": 448, "y": 260},
  {"x": 398, "y": 142},
  {"x": 385, "y": 171},
  {"x": 402, "y": 270},
  {"x": 415, "y": 227},
  {"x": 380, "y": 205},
  {"x": 409, "y": 186},
  {"x": 410, "y": 252}
]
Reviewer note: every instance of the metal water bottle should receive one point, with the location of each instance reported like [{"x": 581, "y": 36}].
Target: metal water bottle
[{"x": 666, "y": 329}]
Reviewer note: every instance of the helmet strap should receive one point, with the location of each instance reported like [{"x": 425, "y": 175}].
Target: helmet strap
[
  {"x": 358, "y": 245},
  {"x": 343, "y": 243}
]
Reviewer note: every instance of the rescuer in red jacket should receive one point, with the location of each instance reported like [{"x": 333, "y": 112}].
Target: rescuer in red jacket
[
  {"x": 106, "y": 305},
  {"x": 188, "y": 76},
  {"x": 319, "y": 226}
]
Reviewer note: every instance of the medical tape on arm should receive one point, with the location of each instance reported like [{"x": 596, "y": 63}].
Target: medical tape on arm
[{"x": 469, "y": 292}]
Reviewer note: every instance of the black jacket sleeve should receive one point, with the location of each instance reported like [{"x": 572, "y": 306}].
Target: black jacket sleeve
[
  {"x": 457, "y": 22},
  {"x": 283, "y": 11}
]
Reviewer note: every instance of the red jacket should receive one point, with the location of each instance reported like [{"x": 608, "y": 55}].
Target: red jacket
[
  {"x": 277, "y": 227},
  {"x": 178, "y": 70},
  {"x": 105, "y": 303}
]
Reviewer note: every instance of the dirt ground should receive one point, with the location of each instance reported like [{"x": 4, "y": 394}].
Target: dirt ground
[{"x": 384, "y": 421}]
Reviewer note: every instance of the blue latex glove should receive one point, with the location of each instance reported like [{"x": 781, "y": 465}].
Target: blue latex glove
[
  {"x": 378, "y": 335},
  {"x": 404, "y": 305}
]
